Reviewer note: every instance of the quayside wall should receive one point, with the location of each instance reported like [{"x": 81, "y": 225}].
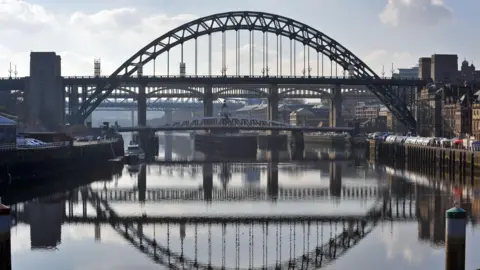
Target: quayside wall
[
  {"x": 460, "y": 166},
  {"x": 18, "y": 164}
]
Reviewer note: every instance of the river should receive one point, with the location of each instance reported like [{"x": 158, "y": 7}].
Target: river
[{"x": 243, "y": 219}]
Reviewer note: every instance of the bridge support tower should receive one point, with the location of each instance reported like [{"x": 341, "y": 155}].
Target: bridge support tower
[
  {"x": 207, "y": 172},
  {"x": 148, "y": 142},
  {"x": 97, "y": 226},
  {"x": 84, "y": 193},
  {"x": 141, "y": 106},
  {"x": 168, "y": 135},
  {"x": 272, "y": 176},
  {"x": 147, "y": 138},
  {"x": 335, "y": 117},
  {"x": 83, "y": 98},
  {"x": 335, "y": 173},
  {"x": 273, "y": 100},
  {"x": 142, "y": 183},
  {"x": 45, "y": 98},
  {"x": 73, "y": 103},
  {"x": 208, "y": 101},
  {"x": 297, "y": 144}
]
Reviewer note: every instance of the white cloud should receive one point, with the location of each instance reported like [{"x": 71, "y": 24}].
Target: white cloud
[
  {"x": 415, "y": 12},
  {"x": 22, "y": 15},
  {"x": 112, "y": 35}
]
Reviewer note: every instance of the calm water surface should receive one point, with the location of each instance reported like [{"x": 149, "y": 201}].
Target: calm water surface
[{"x": 67, "y": 231}]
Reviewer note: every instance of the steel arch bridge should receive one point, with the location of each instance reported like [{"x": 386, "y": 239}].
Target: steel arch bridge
[
  {"x": 250, "y": 21},
  {"x": 233, "y": 125},
  {"x": 228, "y": 122}
]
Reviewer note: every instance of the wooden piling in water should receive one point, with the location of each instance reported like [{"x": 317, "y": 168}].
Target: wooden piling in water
[{"x": 456, "y": 165}]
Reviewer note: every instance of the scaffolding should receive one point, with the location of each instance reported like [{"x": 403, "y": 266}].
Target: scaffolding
[{"x": 97, "y": 67}]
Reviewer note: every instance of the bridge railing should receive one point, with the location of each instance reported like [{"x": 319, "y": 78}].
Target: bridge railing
[
  {"x": 12, "y": 78},
  {"x": 241, "y": 76}
]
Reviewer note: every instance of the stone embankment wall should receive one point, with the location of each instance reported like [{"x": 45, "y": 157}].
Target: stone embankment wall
[{"x": 457, "y": 165}]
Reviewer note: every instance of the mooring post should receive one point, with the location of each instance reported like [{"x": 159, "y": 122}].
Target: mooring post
[
  {"x": 5, "y": 248},
  {"x": 455, "y": 231}
]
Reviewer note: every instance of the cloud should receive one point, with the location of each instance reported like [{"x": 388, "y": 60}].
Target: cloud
[
  {"x": 20, "y": 15},
  {"x": 112, "y": 35},
  {"x": 415, "y": 12}
]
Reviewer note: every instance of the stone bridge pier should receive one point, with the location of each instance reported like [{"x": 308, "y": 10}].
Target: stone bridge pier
[
  {"x": 335, "y": 175},
  {"x": 168, "y": 135},
  {"x": 335, "y": 117},
  {"x": 272, "y": 111},
  {"x": 208, "y": 101}
]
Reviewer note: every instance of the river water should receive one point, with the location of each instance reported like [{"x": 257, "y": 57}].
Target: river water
[{"x": 68, "y": 230}]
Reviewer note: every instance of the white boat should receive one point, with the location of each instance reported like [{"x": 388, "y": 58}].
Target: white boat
[{"x": 135, "y": 150}]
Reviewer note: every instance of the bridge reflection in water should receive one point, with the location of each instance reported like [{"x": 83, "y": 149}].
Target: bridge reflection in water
[
  {"x": 207, "y": 192},
  {"x": 215, "y": 241}
]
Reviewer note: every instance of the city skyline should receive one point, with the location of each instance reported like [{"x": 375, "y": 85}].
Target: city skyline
[{"x": 385, "y": 32}]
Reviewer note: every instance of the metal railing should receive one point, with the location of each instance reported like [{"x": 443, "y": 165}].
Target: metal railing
[
  {"x": 242, "y": 76},
  {"x": 113, "y": 140}
]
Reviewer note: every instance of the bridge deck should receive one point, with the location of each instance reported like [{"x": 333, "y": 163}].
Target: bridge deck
[
  {"x": 234, "y": 128},
  {"x": 235, "y": 194},
  {"x": 256, "y": 80}
]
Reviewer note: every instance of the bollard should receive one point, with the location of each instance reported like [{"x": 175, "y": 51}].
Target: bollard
[
  {"x": 5, "y": 251},
  {"x": 455, "y": 230}
]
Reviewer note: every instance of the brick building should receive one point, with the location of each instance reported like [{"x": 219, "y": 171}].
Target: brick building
[
  {"x": 476, "y": 121},
  {"x": 468, "y": 73},
  {"x": 445, "y": 111},
  {"x": 373, "y": 125},
  {"x": 476, "y": 116},
  {"x": 429, "y": 112},
  {"x": 463, "y": 115},
  {"x": 366, "y": 111},
  {"x": 450, "y": 107}
]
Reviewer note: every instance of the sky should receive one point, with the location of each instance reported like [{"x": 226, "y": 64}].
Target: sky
[{"x": 380, "y": 32}]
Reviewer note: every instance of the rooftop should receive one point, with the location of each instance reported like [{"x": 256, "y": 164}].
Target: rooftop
[{"x": 5, "y": 121}]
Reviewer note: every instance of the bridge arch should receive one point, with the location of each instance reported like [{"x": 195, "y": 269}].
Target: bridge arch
[
  {"x": 256, "y": 93},
  {"x": 322, "y": 91},
  {"x": 252, "y": 21},
  {"x": 125, "y": 90},
  {"x": 192, "y": 91},
  {"x": 188, "y": 91},
  {"x": 222, "y": 121}
]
